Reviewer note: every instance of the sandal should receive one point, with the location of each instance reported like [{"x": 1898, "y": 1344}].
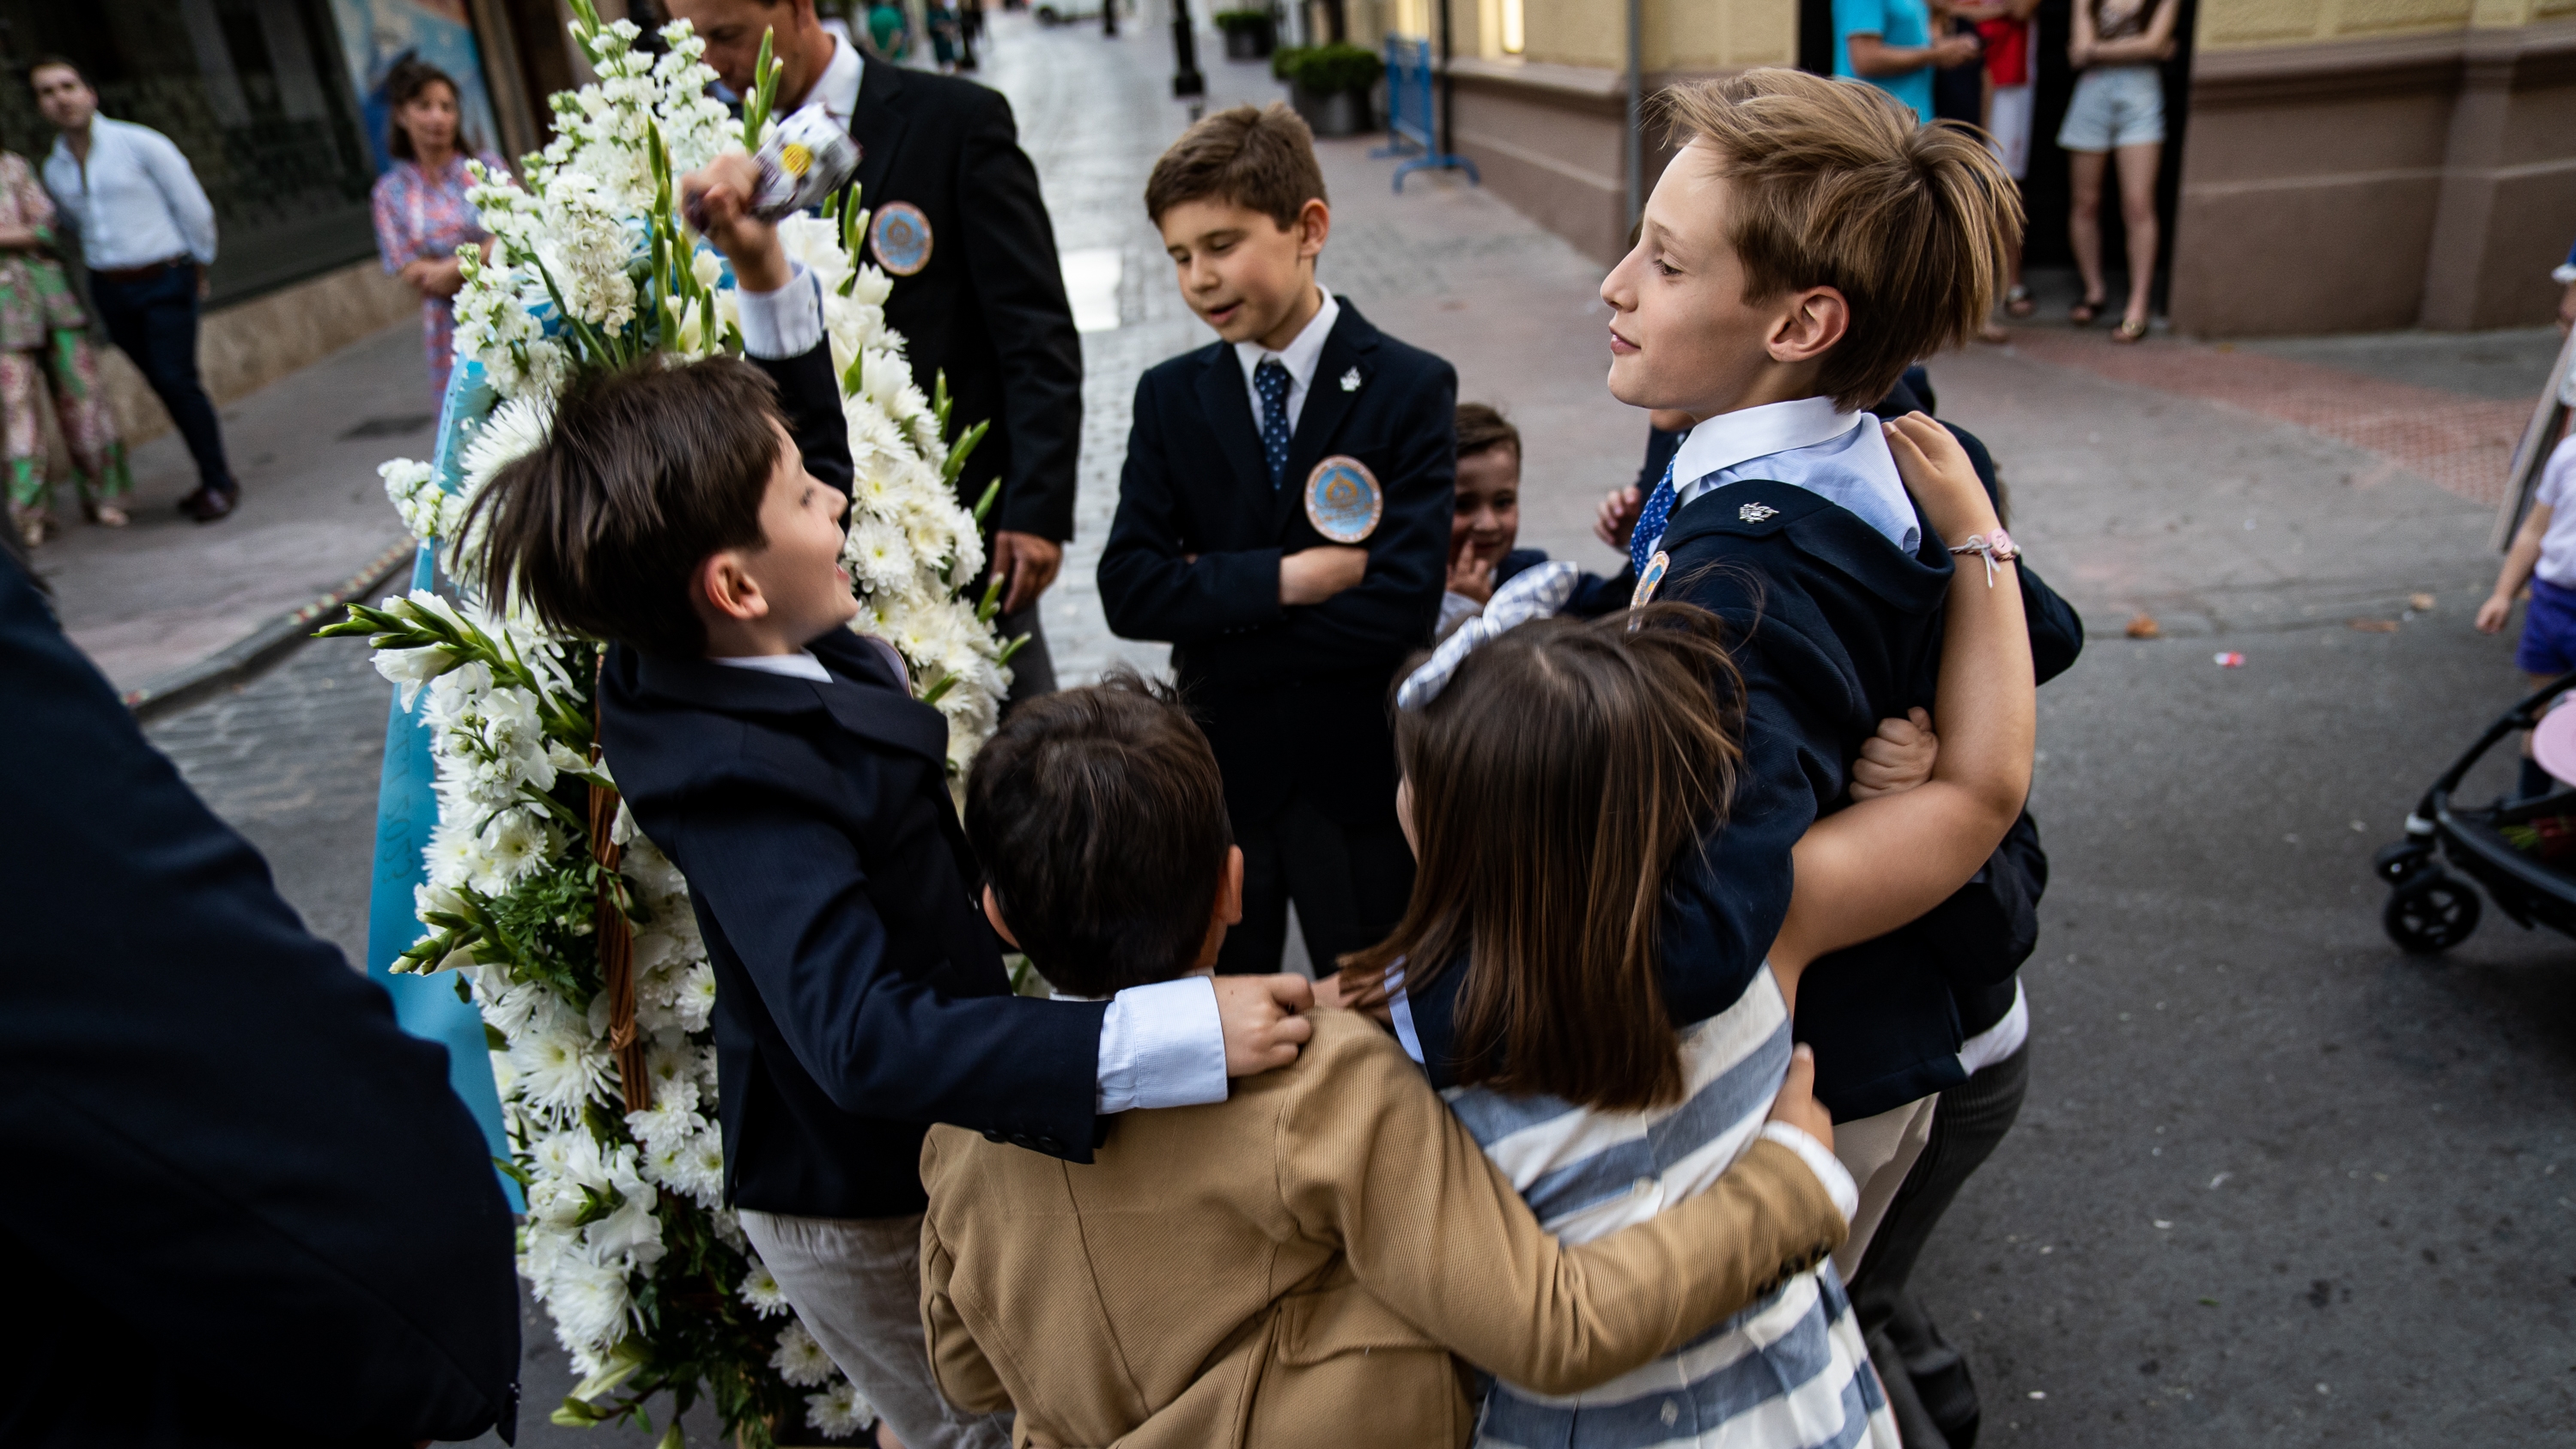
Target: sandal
[
  {"x": 2083, "y": 313},
  {"x": 105, "y": 515},
  {"x": 2130, "y": 330},
  {"x": 35, "y": 525},
  {"x": 2017, "y": 302},
  {"x": 1994, "y": 334}
]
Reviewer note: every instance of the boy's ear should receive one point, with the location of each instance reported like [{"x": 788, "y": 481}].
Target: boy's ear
[
  {"x": 1809, "y": 324},
  {"x": 993, "y": 913},
  {"x": 1314, "y": 226},
  {"x": 726, "y": 588},
  {"x": 1229, "y": 887}
]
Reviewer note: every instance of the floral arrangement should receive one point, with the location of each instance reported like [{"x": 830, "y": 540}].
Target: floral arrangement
[{"x": 569, "y": 932}]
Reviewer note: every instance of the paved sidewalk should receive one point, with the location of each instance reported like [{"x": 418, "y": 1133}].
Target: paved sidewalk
[{"x": 167, "y": 592}]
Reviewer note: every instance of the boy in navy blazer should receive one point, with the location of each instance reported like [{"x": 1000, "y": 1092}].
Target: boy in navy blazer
[
  {"x": 693, "y": 515},
  {"x": 1288, "y": 616}
]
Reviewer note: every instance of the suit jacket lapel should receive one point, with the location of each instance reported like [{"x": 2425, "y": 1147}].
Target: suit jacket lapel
[
  {"x": 878, "y": 128},
  {"x": 1328, "y": 402},
  {"x": 1229, "y": 412}
]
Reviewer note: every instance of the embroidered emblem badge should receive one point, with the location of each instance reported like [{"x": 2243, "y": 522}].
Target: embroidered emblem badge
[
  {"x": 1755, "y": 512},
  {"x": 900, "y": 236},
  {"x": 1342, "y": 499},
  {"x": 1649, "y": 581},
  {"x": 1351, "y": 380}
]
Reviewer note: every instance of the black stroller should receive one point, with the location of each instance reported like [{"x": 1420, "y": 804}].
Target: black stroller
[{"x": 2524, "y": 853}]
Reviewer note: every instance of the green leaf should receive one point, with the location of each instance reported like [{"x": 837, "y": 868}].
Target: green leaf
[
  {"x": 764, "y": 91},
  {"x": 672, "y": 1438},
  {"x": 513, "y": 1171},
  {"x": 855, "y": 377},
  {"x": 939, "y": 687},
  {"x": 577, "y": 1415},
  {"x": 493, "y": 1040},
  {"x": 1011, "y": 650},
  {"x": 992, "y": 490}
]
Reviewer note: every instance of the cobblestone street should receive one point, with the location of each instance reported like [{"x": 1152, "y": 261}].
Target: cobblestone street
[{"x": 2276, "y": 1182}]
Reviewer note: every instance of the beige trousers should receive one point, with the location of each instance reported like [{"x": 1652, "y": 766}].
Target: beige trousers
[
  {"x": 857, "y": 1284},
  {"x": 1878, "y": 1152}
]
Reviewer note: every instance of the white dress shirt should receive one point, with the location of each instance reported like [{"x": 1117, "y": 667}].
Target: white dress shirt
[
  {"x": 1300, "y": 357},
  {"x": 1161, "y": 1045},
  {"x": 135, "y": 201},
  {"x": 781, "y": 324},
  {"x": 1841, "y": 457}
]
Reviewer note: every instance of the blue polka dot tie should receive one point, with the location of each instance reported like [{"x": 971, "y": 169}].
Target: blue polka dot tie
[
  {"x": 1270, "y": 380},
  {"x": 1650, "y": 523}
]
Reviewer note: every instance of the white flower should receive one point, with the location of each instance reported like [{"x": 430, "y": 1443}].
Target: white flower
[
  {"x": 515, "y": 429},
  {"x": 839, "y": 1411},
  {"x": 672, "y": 1119},
  {"x": 412, "y": 668},
  {"x": 558, "y": 1069},
  {"x": 799, "y": 1359},
  {"x": 695, "y": 1000},
  {"x": 590, "y": 1303},
  {"x": 760, "y": 1289}
]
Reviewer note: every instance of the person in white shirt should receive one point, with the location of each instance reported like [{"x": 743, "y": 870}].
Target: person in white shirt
[{"x": 147, "y": 233}]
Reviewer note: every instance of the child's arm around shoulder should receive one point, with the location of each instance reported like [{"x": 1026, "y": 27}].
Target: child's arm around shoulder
[{"x": 1371, "y": 1157}]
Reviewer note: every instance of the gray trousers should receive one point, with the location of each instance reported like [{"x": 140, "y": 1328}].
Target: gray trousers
[{"x": 857, "y": 1284}]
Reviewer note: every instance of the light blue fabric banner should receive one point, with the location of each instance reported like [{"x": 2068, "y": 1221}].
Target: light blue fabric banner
[{"x": 406, "y": 808}]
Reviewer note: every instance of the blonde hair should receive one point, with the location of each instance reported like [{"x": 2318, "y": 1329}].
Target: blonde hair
[{"x": 1835, "y": 184}]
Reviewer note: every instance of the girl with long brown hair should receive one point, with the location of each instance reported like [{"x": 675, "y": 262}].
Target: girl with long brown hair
[{"x": 1551, "y": 778}]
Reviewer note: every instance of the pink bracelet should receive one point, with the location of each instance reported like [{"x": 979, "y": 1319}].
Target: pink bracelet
[{"x": 1995, "y": 548}]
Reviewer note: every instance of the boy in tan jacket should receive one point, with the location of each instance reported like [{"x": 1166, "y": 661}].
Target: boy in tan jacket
[{"x": 1295, "y": 1265}]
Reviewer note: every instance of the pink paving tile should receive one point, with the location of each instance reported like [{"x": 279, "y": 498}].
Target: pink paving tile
[{"x": 2462, "y": 444}]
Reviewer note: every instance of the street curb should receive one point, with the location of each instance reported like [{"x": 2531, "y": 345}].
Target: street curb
[{"x": 236, "y": 662}]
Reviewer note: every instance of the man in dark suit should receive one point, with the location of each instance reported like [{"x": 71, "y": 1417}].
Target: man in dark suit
[
  {"x": 243, "y": 1207},
  {"x": 957, "y": 222},
  {"x": 1285, "y": 638}
]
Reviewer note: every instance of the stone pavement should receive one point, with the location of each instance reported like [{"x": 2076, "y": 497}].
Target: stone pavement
[
  {"x": 166, "y": 592},
  {"x": 2276, "y": 1182}
]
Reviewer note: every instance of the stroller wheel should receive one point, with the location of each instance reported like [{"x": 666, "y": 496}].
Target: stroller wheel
[{"x": 2432, "y": 913}]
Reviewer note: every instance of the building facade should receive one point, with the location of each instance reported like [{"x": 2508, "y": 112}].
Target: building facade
[{"x": 2335, "y": 165}]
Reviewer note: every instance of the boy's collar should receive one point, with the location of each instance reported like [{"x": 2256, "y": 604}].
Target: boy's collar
[
  {"x": 800, "y": 665},
  {"x": 1721, "y": 442}
]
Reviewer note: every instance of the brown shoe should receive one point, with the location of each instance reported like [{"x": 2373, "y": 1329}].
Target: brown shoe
[{"x": 207, "y": 505}]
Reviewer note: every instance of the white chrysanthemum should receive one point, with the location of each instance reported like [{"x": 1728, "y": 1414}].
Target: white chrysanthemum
[
  {"x": 672, "y": 1120},
  {"x": 559, "y": 1071},
  {"x": 760, "y": 1289},
  {"x": 699, "y": 1172},
  {"x": 695, "y": 1000},
  {"x": 799, "y": 1359},
  {"x": 840, "y": 1410},
  {"x": 590, "y": 1302},
  {"x": 517, "y": 845},
  {"x": 513, "y": 430}
]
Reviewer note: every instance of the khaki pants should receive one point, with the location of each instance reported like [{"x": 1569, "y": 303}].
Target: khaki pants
[
  {"x": 1878, "y": 1152},
  {"x": 857, "y": 1284}
]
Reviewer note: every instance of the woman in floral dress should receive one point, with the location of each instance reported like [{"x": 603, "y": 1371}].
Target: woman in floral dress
[
  {"x": 422, "y": 217},
  {"x": 43, "y": 332}
]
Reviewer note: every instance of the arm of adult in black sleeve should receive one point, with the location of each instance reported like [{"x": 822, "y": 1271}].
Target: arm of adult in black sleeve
[
  {"x": 876, "y": 1041},
  {"x": 810, "y": 396},
  {"x": 215, "y": 1127},
  {"x": 1019, "y": 284},
  {"x": 1150, "y": 586}
]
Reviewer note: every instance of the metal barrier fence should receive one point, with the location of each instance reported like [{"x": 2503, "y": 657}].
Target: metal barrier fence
[{"x": 1412, "y": 115}]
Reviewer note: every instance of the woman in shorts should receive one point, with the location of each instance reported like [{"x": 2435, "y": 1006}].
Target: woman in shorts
[{"x": 2118, "y": 111}]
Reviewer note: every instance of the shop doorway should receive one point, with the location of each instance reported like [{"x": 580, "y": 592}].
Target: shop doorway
[{"x": 2045, "y": 191}]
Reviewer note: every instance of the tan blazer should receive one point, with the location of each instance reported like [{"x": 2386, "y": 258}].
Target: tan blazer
[{"x": 1294, "y": 1266}]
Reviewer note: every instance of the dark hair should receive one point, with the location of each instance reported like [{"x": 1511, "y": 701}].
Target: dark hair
[
  {"x": 52, "y": 61},
  {"x": 644, "y": 472},
  {"x": 1554, "y": 782},
  {"x": 1482, "y": 426},
  {"x": 1263, "y": 159},
  {"x": 410, "y": 76},
  {"x": 1836, "y": 184},
  {"x": 1099, "y": 816}
]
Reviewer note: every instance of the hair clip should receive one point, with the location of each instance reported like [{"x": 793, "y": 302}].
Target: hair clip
[{"x": 1537, "y": 592}]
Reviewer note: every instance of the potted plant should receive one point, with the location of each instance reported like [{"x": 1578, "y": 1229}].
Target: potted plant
[
  {"x": 1249, "y": 34},
  {"x": 1330, "y": 86}
]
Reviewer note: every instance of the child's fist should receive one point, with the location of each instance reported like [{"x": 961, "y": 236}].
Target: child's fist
[
  {"x": 1897, "y": 758},
  {"x": 717, "y": 201},
  {"x": 1797, "y": 1104},
  {"x": 1618, "y": 517},
  {"x": 2497, "y": 608},
  {"x": 1937, "y": 472}
]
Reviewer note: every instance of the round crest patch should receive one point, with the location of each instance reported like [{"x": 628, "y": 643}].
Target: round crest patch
[
  {"x": 900, "y": 236},
  {"x": 1651, "y": 580},
  {"x": 1342, "y": 499}
]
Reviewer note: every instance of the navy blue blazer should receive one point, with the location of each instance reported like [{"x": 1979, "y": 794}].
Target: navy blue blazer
[
  {"x": 224, "y": 1158},
  {"x": 1833, "y": 629},
  {"x": 1291, "y": 698}
]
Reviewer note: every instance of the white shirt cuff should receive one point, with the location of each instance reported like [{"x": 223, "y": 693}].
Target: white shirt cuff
[
  {"x": 1162, "y": 1046},
  {"x": 781, "y": 324},
  {"x": 1836, "y": 1178}
]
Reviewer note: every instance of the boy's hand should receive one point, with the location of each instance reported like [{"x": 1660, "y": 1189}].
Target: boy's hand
[
  {"x": 1262, "y": 1027},
  {"x": 1312, "y": 575},
  {"x": 1937, "y": 472},
  {"x": 1618, "y": 517},
  {"x": 2493, "y": 613},
  {"x": 717, "y": 201},
  {"x": 1897, "y": 758},
  {"x": 1797, "y": 1104},
  {"x": 1472, "y": 577}
]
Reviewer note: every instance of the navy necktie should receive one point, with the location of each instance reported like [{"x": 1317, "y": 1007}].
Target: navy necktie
[
  {"x": 1270, "y": 380},
  {"x": 1650, "y": 523}
]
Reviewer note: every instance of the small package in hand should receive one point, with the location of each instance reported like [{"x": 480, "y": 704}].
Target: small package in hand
[{"x": 806, "y": 158}]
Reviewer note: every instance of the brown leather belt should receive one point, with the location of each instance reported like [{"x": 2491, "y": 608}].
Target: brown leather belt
[{"x": 143, "y": 273}]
